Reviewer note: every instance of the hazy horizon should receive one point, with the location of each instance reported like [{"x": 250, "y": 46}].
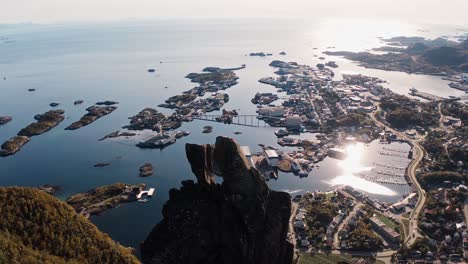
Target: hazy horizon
[{"x": 53, "y": 11}]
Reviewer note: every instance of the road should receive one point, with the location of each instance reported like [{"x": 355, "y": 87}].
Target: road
[
  {"x": 418, "y": 155},
  {"x": 336, "y": 242},
  {"x": 292, "y": 234}
]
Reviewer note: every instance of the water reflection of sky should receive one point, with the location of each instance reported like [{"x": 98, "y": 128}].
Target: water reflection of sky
[{"x": 353, "y": 165}]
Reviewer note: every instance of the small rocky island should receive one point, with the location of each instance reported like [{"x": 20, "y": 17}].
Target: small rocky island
[
  {"x": 146, "y": 170},
  {"x": 240, "y": 221},
  {"x": 117, "y": 134},
  {"x": 94, "y": 113},
  {"x": 44, "y": 123},
  {"x": 100, "y": 199},
  {"x": 5, "y": 119}
]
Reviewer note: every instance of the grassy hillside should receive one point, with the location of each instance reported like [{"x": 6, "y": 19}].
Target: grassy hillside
[{"x": 37, "y": 228}]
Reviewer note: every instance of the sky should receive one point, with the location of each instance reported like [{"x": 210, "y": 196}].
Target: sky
[{"x": 453, "y": 12}]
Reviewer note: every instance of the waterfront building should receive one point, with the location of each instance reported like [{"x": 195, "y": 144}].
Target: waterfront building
[
  {"x": 274, "y": 111},
  {"x": 293, "y": 121},
  {"x": 272, "y": 157}
]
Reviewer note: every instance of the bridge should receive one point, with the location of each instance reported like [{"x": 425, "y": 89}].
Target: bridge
[{"x": 240, "y": 120}]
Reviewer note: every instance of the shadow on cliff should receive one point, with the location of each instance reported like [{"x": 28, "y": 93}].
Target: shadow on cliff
[{"x": 239, "y": 221}]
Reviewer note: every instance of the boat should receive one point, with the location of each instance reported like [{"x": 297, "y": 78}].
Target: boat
[
  {"x": 281, "y": 132},
  {"x": 142, "y": 200},
  {"x": 151, "y": 70},
  {"x": 180, "y": 133}
]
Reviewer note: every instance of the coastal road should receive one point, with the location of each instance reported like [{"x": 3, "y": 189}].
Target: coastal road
[{"x": 418, "y": 155}]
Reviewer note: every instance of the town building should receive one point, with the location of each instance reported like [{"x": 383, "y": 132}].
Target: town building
[
  {"x": 293, "y": 121},
  {"x": 274, "y": 111},
  {"x": 386, "y": 232},
  {"x": 272, "y": 157}
]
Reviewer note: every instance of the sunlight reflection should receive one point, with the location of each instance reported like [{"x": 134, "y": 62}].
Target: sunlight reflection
[{"x": 351, "y": 166}]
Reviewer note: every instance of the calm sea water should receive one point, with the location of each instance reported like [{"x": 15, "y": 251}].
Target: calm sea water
[{"x": 109, "y": 62}]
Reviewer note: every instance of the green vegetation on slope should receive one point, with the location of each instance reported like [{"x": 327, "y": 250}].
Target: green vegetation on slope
[{"x": 37, "y": 228}]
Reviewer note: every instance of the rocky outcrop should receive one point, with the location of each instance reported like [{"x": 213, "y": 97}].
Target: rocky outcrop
[
  {"x": 94, "y": 113},
  {"x": 5, "y": 119},
  {"x": 117, "y": 134},
  {"x": 100, "y": 199},
  {"x": 44, "y": 123},
  {"x": 13, "y": 145},
  {"x": 146, "y": 170},
  {"x": 238, "y": 221}
]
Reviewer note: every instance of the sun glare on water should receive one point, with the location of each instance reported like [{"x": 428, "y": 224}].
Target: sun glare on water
[{"x": 351, "y": 166}]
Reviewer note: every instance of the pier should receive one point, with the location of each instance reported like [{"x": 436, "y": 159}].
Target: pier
[
  {"x": 149, "y": 193},
  {"x": 426, "y": 96},
  {"x": 240, "y": 120}
]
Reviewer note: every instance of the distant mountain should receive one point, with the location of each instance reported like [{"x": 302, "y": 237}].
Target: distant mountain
[
  {"x": 414, "y": 54},
  {"x": 37, "y": 228}
]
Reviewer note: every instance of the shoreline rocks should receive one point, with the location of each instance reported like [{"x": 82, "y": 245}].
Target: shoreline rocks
[
  {"x": 94, "y": 113},
  {"x": 238, "y": 221},
  {"x": 146, "y": 170},
  {"x": 98, "y": 200},
  {"x": 49, "y": 189}
]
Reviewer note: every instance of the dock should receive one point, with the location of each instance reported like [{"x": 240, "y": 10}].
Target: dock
[
  {"x": 426, "y": 96},
  {"x": 149, "y": 193}
]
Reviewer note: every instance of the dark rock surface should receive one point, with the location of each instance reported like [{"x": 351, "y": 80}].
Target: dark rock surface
[{"x": 238, "y": 221}]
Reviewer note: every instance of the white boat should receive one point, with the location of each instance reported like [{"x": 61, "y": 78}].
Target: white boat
[
  {"x": 281, "y": 132},
  {"x": 142, "y": 200}
]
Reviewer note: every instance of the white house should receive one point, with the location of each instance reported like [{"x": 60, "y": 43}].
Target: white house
[{"x": 272, "y": 157}]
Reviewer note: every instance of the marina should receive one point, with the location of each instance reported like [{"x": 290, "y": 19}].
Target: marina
[{"x": 49, "y": 78}]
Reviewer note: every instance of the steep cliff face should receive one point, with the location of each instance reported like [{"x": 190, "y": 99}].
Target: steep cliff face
[{"x": 238, "y": 221}]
